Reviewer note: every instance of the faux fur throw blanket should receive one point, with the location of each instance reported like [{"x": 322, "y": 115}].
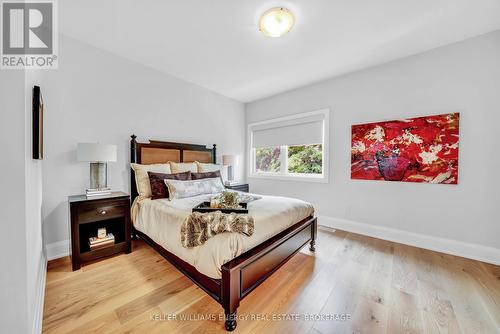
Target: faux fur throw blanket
[{"x": 199, "y": 227}]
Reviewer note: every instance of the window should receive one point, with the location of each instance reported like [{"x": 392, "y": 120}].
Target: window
[
  {"x": 293, "y": 147},
  {"x": 268, "y": 159}
]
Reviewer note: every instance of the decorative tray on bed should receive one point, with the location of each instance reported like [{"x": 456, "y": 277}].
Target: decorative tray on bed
[{"x": 205, "y": 207}]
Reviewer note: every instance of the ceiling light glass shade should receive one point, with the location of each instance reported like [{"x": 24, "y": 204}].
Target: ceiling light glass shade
[{"x": 276, "y": 22}]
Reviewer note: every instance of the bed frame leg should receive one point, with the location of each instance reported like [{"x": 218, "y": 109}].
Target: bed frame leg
[
  {"x": 230, "y": 323},
  {"x": 314, "y": 232},
  {"x": 311, "y": 246},
  {"x": 230, "y": 298}
]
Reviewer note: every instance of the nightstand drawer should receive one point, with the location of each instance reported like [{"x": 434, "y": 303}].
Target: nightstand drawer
[{"x": 100, "y": 212}]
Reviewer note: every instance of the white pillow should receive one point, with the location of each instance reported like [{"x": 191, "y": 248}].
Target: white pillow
[
  {"x": 203, "y": 168},
  {"x": 181, "y": 167},
  {"x": 190, "y": 188},
  {"x": 142, "y": 177}
]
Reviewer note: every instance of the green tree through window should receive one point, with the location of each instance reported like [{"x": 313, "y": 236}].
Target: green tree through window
[
  {"x": 302, "y": 159},
  {"x": 267, "y": 159},
  {"x": 305, "y": 159}
]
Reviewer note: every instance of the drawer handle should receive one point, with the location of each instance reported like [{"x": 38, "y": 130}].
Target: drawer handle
[{"x": 103, "y": 212}]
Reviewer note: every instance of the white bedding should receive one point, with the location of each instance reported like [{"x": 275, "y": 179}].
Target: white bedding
[{"x": 161, "y": 220}]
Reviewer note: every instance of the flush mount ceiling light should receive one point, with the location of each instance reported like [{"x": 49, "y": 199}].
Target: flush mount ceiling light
[{"x": 276, "y": 22}]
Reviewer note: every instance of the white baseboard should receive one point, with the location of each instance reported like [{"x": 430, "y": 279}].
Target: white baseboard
[
  {"x": 57, "y": 250},
  {"x": 42, "y": 274},
  {"x": 443, "y": 245}
]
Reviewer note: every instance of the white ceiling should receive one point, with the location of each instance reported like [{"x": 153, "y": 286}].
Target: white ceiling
[{"x": 216, "y": 43}]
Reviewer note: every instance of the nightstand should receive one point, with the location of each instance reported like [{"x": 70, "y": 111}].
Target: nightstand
[
  {"x": 240, "y": 187},
  {"x": 89, "y": 214}
]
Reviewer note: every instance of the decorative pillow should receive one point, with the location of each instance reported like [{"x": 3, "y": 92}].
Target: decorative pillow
[
  {"x": 181, "y": 167},
  {"x": 183, "y": 189},
  {"x": 142, "y": 178},
  {"x": 203, "y": 168},
  {"x": 157, "y": 181},
  {"x": 205, "y": 175}
]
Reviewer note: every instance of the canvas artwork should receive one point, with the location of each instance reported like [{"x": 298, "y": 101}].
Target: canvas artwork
[{"x": 422, "y": 149}]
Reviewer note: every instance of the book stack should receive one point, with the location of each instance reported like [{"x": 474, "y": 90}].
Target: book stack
[
  {"x": 99, "y": 243},
  {"x": 98, "y": 192},
  {"x": 230, "y": 183}
]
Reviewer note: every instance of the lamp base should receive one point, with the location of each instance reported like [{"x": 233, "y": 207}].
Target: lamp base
[
  {"x": 230, "y": 176},
  {"x": 98, "y": 175}
]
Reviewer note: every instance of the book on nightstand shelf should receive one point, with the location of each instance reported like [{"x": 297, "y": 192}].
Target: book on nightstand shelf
[{"x": 98, "y": 243}]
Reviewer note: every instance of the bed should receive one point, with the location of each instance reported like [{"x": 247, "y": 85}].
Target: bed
[{"x": 229, "y": 266}]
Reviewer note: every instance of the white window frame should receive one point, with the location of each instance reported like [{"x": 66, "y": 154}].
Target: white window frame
[{"x": 283, "y": 174}]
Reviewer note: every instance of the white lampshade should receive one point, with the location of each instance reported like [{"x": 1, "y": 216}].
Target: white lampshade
[
  {"x": 228, "y": 160},
  {"x": 95, "y": 152}
]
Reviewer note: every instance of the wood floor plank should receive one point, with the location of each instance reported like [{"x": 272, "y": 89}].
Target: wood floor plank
[
  {"x": 437, "y": 310},
  {"x": 313, "y": 293},
  {"x": 370, "y": 317},
  {"x": 487, "y": 286},
  {"x": 404, "y": 269},
  {"x": 468, "y": 306},
  {"x": 378, "y": 286},
  {"x": 151, "y": 299},
  {"x": 405, "y": 315}
]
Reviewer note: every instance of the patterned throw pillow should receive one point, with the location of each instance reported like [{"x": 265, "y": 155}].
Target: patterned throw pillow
[
  {"x": 157, "y": 181},
  {"x": 205, "y": 175},
  {"x": 190, "y": 188}
]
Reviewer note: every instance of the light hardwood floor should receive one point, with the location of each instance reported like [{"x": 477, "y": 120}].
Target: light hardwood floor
[{"x": 381, "y": 287}]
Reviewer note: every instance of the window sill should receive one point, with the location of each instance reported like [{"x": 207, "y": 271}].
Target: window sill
[{"x": 297, "y": 178}]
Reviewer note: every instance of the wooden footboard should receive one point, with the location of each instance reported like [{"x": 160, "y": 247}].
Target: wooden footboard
[{"x": 244, "y": 273}]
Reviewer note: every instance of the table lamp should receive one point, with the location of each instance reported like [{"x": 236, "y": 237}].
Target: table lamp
[{"x": 97, "y": 155}]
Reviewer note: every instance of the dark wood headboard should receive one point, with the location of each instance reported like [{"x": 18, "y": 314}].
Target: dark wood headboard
[{"x": 156, "y": 152}]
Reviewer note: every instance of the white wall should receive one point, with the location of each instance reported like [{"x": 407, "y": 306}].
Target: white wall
[
  {"x": 21, "y": 251},
  {"x": 96, "y": 96},
  {"x": 13, "y": 297},
  {"x": 465, "y": 78}
]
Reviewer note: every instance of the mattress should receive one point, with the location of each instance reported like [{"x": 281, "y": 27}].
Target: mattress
[{"x": 161, "y": 220}]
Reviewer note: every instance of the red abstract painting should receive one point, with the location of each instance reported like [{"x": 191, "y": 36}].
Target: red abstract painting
[{"x": 422, "y": 149}]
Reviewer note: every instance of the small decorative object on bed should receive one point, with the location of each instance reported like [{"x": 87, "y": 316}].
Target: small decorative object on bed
[
  {"x": 214, "y": 205},
  {"x": 228, "y": 200},
  {"x": 422, "y": 149}
]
